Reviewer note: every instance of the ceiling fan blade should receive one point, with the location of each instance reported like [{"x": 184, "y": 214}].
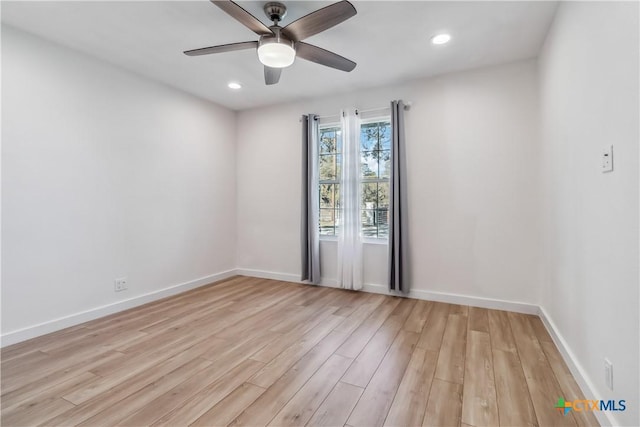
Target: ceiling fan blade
[
  {"x": 272, "y": 75},
  {"x": 242, "y": 16},
  {"x": 323, "y": 57},
  {"x": 221, "y": 48},
  {"x": 320, "y": 20}
]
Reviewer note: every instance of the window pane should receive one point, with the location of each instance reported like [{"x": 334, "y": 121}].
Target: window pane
[
  {"x": 338, "y": 140},
  {"x": 369, "y": 195},
  {"x": 368, "y": 136},
  {"x": 337, "y": 196},
  {"x": 369, "y": 228},
  {"x": 383, "y": 195},
  {"x": 327, "y": 222},
  {"x": 327, "y": 196},
  {"x": 369, "y": 164},
  {"x": 385, "y": 136},
  {"x": 384, "y": 163},
  {"x": 382, "y": 216},
  {"x": 338, "y": 166},
  {"x": 338, "y": 222},
  {"x": 327, "y": 167},
  {"x": 328, "y": 141}
]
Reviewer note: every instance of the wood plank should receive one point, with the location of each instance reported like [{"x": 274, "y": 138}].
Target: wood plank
[
  {"x": 40, "y": 407},
  {"x": 25, "y": 388},
  {"x": 418, "y": 317},
  {"x": 540, "y": 330},
  {"x": 431, "y": 338},
  {"x": 462, "y": 310},
  {"x": 230, "y": 407},
  {"x": 479, "y": 403},
  {"x": 378, "y": 396},
  {"x": 478, "y": 319},
  {"x": 352, "y": 301},
  {"x": 307, "y": 400},
  {"x": 262, "y": 411},
  {"x": 24, "y": 348},
  {"x": 514, "y": 404},
  {"x": 542, "y": 383},
  {"x": 500, "y": 329},
  {"x": 212, "y": 382},
  {"x": 451, "y": 359},
  {"x": 444, "y": 407},
  {"x": 113, "y": 374},
  {"x": 281, "y": 364},
  {"x": 118, "y": 391},
  {"x": 198, "y": 405},
  {"x": 336, "y": 408},
  {"x": 570, "y": 389},
  {"x": 36, "y": 414},
  {"x": 114, "y": 414},
  {"x": 265, "y": 312},
  {"x": 361, "y": 336},
  {"x": 366, "y": 364},
  {"x": 360, "y": 314},
  {"x": 410, "y": 402},
  {"x": 300, "y": 315},
  {"x": 241, "y": 348},
  {"x": 77, "y": 381},
  {"x": 14, "y": 369},
  {"x": 277, "y": 346}
]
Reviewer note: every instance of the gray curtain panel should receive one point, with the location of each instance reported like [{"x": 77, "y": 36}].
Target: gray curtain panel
[
  {"x": 398, "y": 232},
  {"x": 309, "y": 225}
]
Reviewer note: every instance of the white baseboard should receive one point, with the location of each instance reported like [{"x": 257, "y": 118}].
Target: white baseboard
[
  {"x": 496, "y": 304},
  {"x": 94, "y": 313},
  {"x": 586, "y": 385},
  {"x": 482, "y": 302},
  {"x": 261, "y": 274}
]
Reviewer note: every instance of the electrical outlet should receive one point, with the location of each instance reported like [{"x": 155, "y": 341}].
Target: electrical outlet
[
  {"x": 120, "y": 284},
  {"x": 608, "y": 373},
  {"x": 607, "y": 159}
]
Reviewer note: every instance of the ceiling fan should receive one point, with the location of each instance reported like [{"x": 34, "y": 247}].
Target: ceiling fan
[{"x": 279, "y": 46}]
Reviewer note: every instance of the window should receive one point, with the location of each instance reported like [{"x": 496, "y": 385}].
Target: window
[
  {"x": 330, "y": 162},
  {"x": 375, "y": 166}
]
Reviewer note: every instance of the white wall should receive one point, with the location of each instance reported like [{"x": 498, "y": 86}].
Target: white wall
[
  {"x": 589, "y": 98},
  {"x": 473, "y": 190},
  {"x": 104, "y": 175}
]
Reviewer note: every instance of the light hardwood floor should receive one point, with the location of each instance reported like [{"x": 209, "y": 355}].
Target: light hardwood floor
[{"x": 259, "y": 352}]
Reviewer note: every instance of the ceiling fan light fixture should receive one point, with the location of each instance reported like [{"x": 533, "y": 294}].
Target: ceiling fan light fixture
[
  {"x": 276, "y": 52},
  {"x": 440, "y": 39}
]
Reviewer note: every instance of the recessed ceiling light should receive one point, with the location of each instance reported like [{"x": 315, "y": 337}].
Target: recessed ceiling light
[
  {"x": 440, "y": 39},
  {"x": 234, "y": 85}
]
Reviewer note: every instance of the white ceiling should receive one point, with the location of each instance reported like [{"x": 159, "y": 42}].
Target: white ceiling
[{"x": 388, "y": 39}]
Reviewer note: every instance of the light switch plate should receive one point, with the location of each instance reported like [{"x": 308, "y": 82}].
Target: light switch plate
[
  {"x": 608, "y": 373},
  {"x": 607, "y": 159}
]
